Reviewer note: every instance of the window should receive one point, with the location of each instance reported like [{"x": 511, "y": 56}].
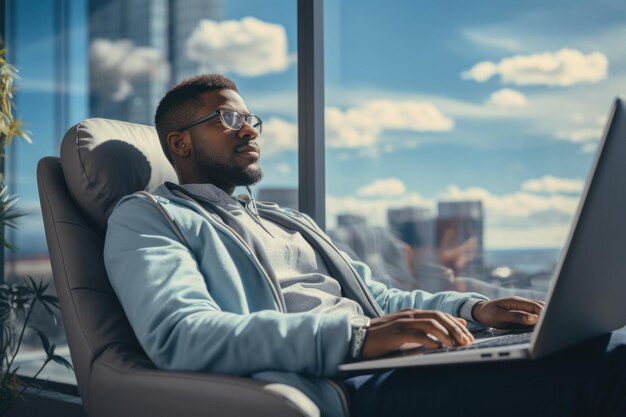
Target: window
[
  {"x": 116, "y": 59},
  {"x": 459, "y": 139}
]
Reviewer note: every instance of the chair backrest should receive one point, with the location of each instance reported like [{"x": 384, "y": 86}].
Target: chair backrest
[{"x": 101, "y": 161}]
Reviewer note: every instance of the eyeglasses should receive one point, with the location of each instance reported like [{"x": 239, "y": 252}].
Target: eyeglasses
[{"x": 231, "y": 119}]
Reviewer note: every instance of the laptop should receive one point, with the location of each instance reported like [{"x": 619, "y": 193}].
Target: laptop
[{"x": 586, "y": 294}]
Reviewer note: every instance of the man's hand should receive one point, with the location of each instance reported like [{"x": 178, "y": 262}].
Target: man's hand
[
  {"x": 508, "y": 313},
  {"x": 428, "y": 328}
]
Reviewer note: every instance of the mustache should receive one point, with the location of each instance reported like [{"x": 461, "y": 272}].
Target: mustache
[{"x": 249, "y": 143}]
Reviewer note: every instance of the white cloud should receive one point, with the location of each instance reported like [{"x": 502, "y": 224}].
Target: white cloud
[
  {"x": 492, "y": 41},
  {"x": 580, "y": 135},
  {"x": 374, "y": 210},
  {"x": 550, "y": 184},
  {"x": 116, "y": 64},
  {"x": 550, "y": 112},
  {"x": 564, "y": 67},
  {"x": 507, "y": 98},
  {"x": 386, "y": 187},
  {"x": 547, "y": 236},
  {"x": 249, "y": 47},
  {"x": 519, "y": 219},
  {"x": 481, "y": 72},
  {"x": 283, "y": 103},
  {"x": 520, "y": 206},
  {"x": 589, "y": 148},
  {"x": 586, "y": 130},
  {"x": 361, "y": 126},
  {"x": 344, "y": 131},
  {"x": 278, "y": 136},
  {"x": 578, "y": 118}
]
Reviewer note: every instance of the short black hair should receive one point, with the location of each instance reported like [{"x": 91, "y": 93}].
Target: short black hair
[{"x": 179, "y": 105}]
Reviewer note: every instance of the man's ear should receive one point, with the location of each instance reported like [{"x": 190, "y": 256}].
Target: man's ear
[{"x": 178, "y": 144}]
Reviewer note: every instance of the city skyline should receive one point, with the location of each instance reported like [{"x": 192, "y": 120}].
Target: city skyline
[
  {"x": 133, "y": 62},
  {"x": 505, "y": 105}
]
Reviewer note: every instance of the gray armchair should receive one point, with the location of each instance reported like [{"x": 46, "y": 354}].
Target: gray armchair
[{"x": 101, "y": 161}]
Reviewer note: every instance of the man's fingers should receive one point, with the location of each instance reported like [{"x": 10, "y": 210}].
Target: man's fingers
[
  {"x": 455, "y": 325},
  {"x": 523, "y": 304},
  {"x": 430, "y": 326},
  {"x": 426, "y": 332},
  {"x": 460, "y": 320},
  {"x": 505, "y": 312},
  {"x": 522, "y": 317},
  {"x": 414, "y": 325},
  {"x": 431, "y": 329},
  {"x": 427, "y": 340},
  {"x": 463, "y": 327}
]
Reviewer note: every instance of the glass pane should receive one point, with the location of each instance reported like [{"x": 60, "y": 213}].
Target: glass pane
[
  {"x": 116, "y": 59},
  {"x": 458, "y": 140}
]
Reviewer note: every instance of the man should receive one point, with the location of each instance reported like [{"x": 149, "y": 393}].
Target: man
[{"x": 235, "y": 287}]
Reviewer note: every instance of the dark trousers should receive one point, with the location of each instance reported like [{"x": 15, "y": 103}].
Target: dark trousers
[{"x": 586, "y": 380}]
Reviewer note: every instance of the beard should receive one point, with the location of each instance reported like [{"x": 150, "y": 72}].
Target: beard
[{"x": 222, "y": 173}]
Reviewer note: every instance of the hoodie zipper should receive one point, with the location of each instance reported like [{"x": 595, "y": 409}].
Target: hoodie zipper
[
  {"x": 255, "y": 216},
  {"x": 226, "y": 228},
  {"x": 249, "y": 206}
]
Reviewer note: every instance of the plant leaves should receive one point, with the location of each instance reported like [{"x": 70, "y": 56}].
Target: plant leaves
[
  {"x": 8, "y": 212},
  {"x": 44, "y": 339},
  {"x": 62, "y": 361},
  {"x": 32, "y": 284},
  {"x": 49, "y": 311},
  {"x": 50, "y": 300},
  {"x": 13, "y": 373}
]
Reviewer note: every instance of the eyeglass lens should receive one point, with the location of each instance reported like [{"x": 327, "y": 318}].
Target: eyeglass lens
[{"x": 234, "y": 120}]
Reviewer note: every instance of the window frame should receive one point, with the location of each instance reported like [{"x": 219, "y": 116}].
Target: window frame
[{"x": 311, "y": 141}]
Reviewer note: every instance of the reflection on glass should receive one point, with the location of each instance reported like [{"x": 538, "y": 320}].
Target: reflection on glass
[
  {"x": 456, "y": 158},
  {"x": 116, "y": 59}
]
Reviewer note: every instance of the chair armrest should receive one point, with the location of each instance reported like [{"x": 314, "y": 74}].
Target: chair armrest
[{"x": 156, "y": 393}]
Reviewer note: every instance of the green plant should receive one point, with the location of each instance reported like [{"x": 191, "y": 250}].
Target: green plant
[
  {"x": 17, "y": 301},
  {"x": 10, "y": 126}
]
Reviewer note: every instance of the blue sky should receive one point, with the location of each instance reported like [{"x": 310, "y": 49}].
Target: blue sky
[{"x": 499, "y": 101}]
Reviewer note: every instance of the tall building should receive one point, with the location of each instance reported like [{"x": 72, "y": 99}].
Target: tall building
[
  {"x": 350, "y": 219},
  {"x": 116, "y": 27},
  {"x": 284, "y": 197},
  {"x": 149, "y": 36},
  {"x": 413, "y": 225},
  {"x": 459, "y": 236},
  {"x": 454, "y": 238},
  {"x": 184, "y": 17}
]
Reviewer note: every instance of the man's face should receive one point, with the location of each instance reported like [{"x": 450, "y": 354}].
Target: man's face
[{"x": 223, "y": 156}]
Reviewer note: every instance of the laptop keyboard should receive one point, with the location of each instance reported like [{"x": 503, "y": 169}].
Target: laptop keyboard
[{"x": 506, "y": 340}]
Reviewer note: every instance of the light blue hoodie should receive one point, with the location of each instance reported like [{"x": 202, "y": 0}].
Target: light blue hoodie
[{"x": 207, "y": 305}]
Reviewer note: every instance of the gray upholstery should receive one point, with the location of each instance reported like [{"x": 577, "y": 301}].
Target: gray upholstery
[
  {"x": 104, "y": 160},
  {"x": 101, "y": 161}
]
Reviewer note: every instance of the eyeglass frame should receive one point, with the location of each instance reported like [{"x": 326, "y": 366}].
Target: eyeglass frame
[{"x": 218, "y": 112}]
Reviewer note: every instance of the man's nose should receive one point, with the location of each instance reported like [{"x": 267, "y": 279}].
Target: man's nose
[{"x": 247, "y": 132}]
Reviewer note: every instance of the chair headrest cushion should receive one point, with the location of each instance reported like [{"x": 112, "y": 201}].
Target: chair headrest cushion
[{"x": 104, "y": 160}]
